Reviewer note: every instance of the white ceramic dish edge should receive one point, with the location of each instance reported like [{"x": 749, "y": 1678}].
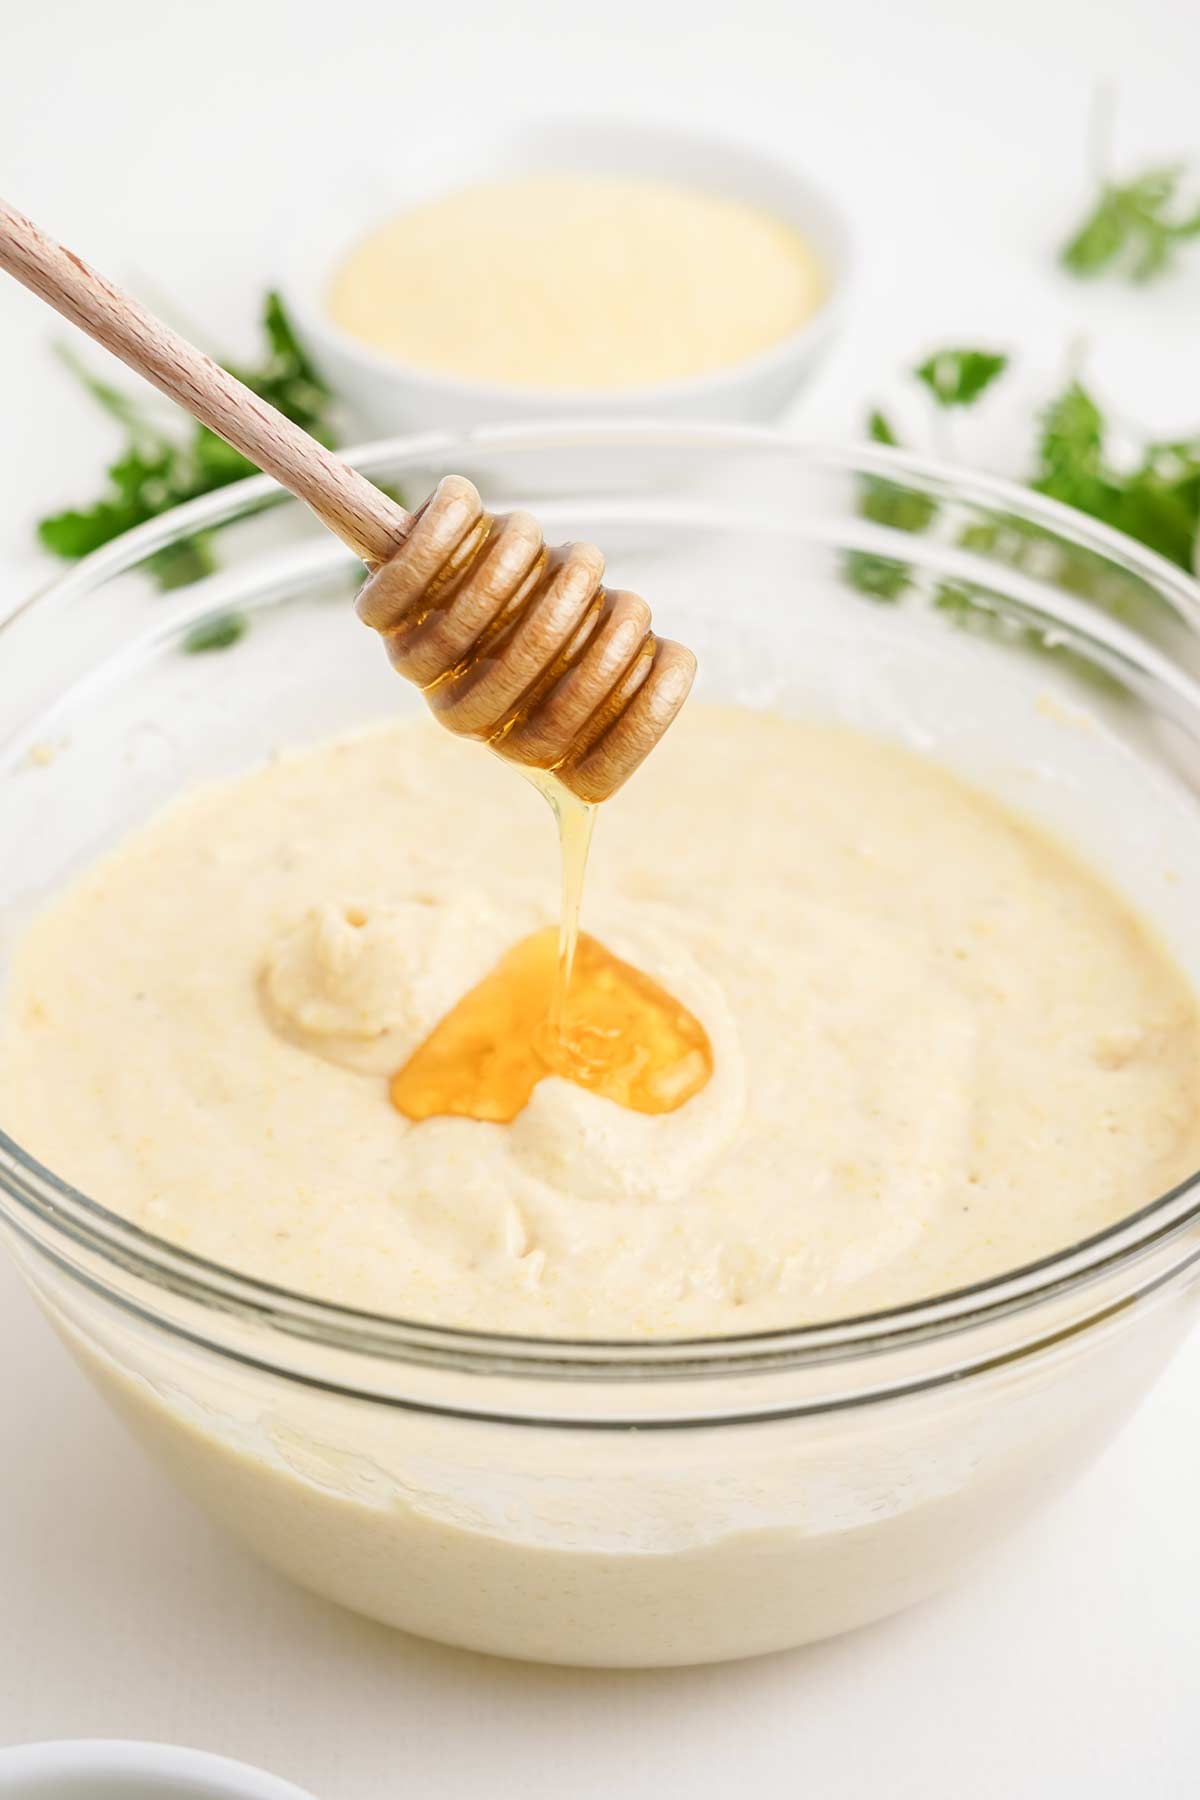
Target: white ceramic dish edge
[
  {"x": 102, "y": 1768},
  {"x": 387, "y": 395}
]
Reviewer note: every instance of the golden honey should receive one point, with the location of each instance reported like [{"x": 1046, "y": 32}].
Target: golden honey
[{"x": 615, "y": 1031}]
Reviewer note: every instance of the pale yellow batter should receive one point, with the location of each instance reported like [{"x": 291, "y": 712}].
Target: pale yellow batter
[
  {"x": 942, "y": 1047},
  {"x": 573, "y": 281}
]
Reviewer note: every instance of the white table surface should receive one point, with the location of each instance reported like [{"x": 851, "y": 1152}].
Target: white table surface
[{"x": 158, "y": 137}]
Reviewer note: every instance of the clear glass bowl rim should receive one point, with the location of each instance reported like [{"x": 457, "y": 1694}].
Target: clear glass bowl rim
[{"x": 47, "y": 1206}]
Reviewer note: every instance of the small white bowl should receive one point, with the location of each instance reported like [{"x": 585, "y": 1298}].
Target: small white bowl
[
  {"x": 114, "y": 1769},
  {"x": 388, "y": 395}
]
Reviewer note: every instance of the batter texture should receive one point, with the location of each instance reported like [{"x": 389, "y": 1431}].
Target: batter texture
[{"x": 942, "y": 1046}]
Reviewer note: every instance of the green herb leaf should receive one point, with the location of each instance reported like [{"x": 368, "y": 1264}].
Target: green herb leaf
[
  {"x": 285, "y": 345},
  {"x": 216, "y": 634},
  {"x": 178, "y": 565},
  {"x": 1134, "y": 229},
  {"x": 72, "y": 534},
  {"x": 1157, "y": 502},
  {"x": 959, "y": 377},
  {"x": 122, "y": 407},
  {"x": 880, "y": 430},
  {"x": 876, "y": 577},
  {"x": 901, "y": 508}
]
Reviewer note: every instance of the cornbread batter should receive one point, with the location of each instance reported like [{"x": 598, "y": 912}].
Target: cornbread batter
[
  {"x": 941, "y": 1047},
  {"x": 585, "y": 281}
]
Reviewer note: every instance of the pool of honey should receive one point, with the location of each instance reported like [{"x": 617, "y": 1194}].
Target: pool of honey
[{"x": 558, "y": 1003}]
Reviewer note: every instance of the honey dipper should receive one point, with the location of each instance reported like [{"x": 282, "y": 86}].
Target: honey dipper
[{"x": 511, "y": 643}]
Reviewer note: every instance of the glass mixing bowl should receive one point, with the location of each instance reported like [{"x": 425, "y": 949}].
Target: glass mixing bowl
[{"x": 628, "y": 1503}]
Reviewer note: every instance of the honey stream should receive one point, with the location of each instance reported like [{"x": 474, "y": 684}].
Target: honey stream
[{"x": 558, "y": 1003}]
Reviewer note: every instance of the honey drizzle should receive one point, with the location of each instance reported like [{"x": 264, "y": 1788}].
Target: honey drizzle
[
  {"x": 576, "y": 820},
  {"x": 557, "y": 1003}
]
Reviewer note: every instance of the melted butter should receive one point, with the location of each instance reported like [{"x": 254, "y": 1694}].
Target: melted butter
[{"x": 558, "y": 1003}]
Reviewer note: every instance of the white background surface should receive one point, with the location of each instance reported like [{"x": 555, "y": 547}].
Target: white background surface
[{"x": 169, "y": 141}]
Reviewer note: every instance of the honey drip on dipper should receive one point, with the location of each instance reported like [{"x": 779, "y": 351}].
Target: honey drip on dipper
[{"x": 523, "y": 647}]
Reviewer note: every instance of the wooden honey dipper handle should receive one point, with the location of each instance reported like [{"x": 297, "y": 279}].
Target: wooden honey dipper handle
[
  {"x": 512, "y": 644},
  {"x": 352, "y": 507}
]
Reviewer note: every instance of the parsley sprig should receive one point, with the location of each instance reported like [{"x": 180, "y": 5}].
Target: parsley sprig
[
  {"x": 1135, "y": 228},
  {"x": 165, "y": 462},
  {"x": 1156, "y": 500},
  {"x": 1154, "y": 497}
]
